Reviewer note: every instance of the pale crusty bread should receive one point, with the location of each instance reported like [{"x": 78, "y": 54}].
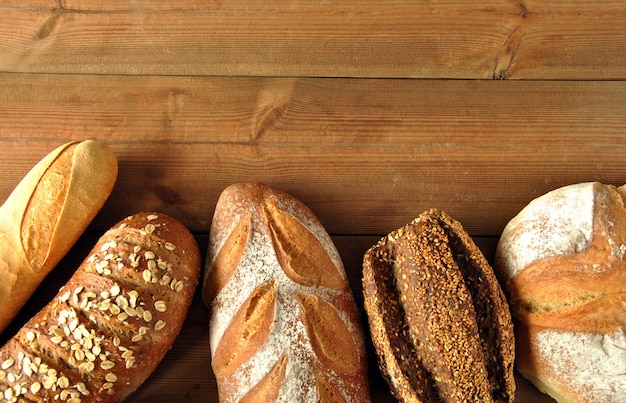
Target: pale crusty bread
[
  {"x": 111, "y": 324},
  {"x": 283, "y": 324},
  {"x": 562, "y": 260},
  {"x": 45, "y": 215},
  {"x": 439, "y": 321}
]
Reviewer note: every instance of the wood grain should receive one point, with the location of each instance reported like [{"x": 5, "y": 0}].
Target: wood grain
[
  {"x": 366, "y": 155},
  {"x": 532, "y": 39},
  {"x": 368, "y": 112}
]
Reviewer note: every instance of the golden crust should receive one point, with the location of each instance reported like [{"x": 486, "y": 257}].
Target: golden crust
[{"x": 111, "y": 324}]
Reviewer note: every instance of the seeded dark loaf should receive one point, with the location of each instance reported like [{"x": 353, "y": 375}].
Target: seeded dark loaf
[
  {"x": 439, "y": 321},
  {"x": 109, "y": 327},
  {"x": 283, "y": 322},
  {"x": 45, "y": 215}
]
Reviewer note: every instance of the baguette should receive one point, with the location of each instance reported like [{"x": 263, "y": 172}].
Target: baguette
[
  {"x": 439, "y": 320},
  {"x": 45, "y": 215},
  {"x": 108, "y": 328},
  {"x": 283, "y": 325}
]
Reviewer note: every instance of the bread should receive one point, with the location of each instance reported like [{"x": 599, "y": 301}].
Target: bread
[
  {"x": 562, "y": 261},
  {"x": 45, "y": 215},
  {"x": 107, "y": 329},
  {"x": 283, "y": 322},
  {"x": 438, "y": 318}
]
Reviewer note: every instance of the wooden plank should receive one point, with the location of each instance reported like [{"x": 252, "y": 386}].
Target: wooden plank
[
  {"x": 365, "y": 155},
  {"x": 461, "y": 39}
]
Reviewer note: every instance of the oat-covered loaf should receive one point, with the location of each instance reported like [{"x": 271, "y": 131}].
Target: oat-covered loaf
[
  {"x": 438, "y": 318},
  {"x": 109, "y": 327},
  {"x": 283, "y": 324},
  {"x": 45, "y": 215},
  {"x": 563, "y": 262}
]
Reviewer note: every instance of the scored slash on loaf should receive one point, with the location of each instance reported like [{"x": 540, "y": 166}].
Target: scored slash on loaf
[
  {"x": 109, "y": 327},
  {"x": 45, "y": 215},
  {"x": 562, "y": 260},
  {"x": 439, "y": 321},
  {"x": 283, "y": 322}
]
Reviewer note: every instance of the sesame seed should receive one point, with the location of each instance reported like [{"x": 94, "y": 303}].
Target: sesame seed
[
  {"x": 63, "y": 382},
  {"x": 65, "y": 296},
  {"x": 134, "y": 295},
  {"x": 121, "y": 301},
  {"x": 82, "y": 388},
  {"x": 35, "y": 388},
  {"x": 160, "y": 306},
  {"x": 152, "y": 265},
  {"x": 57, "y": 339}
]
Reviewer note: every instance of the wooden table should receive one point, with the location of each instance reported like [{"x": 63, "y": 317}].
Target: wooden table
[{"x": 369, "y": 113}]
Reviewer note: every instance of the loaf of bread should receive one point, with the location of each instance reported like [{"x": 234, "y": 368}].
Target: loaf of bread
[
  {"x": 107, "y": 329},
  {"x": 562, "y": 261},
  {"x": 45, "y": 215},
  {"x": 439, "y": 320},
  {"x": 283, "y": 322}
]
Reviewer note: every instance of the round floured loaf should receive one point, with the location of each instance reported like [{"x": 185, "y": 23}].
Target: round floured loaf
[
  {"x": 562, "y": 260},
  {"x": 283, "y": 324}
]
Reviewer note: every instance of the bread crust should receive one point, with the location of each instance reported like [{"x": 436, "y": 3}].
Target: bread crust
[
  {"x": 567, "y": 293},
  {"x": 111, "y": 324},
  {"x": 439, "y": 321},
  {"x": 283, "y": 320},
  {"x": 46, "y": 214}
]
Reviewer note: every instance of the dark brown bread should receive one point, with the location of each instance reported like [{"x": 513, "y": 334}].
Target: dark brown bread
[
  {"x": 438, "y": 318},
  {"x": 45, "y": 215},
  {"x": 109, "y": 327},
  {"x": 284, "y": 323}
]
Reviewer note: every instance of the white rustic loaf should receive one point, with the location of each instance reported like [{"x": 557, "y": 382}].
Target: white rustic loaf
[
  {"x": 283, "y": 324},
  {"x": 563, "y": 262},
  {"x": 46, "y": 214},
  {"x": 109, "y": 327}
]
